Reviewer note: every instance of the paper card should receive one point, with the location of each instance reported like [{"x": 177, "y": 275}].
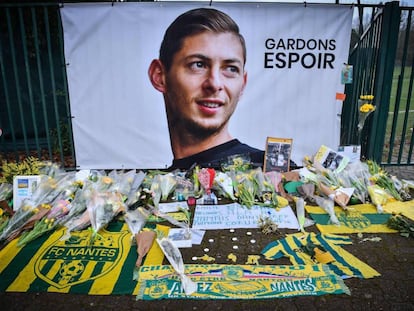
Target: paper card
[
  {"x": 331, "y": 159},
  {"x": 346, "y": 74},
  {"x": 180, "y": 237},
  {"x": 172, "y": 206},
  {"x": 353, "y": 152},
  {"x": 23, "y": 187},
  {"x": 234, "y": 215},
  {"x": 277, "y": 154},
  {"x": 197, "y": 236}
]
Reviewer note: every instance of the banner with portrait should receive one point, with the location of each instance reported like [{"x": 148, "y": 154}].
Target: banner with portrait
[{"x": 295, "y": 55}]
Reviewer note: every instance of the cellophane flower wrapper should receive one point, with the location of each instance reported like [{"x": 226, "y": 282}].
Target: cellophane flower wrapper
[
  {"x": 300, "y": 213},
  {"x": 27, "y": 223},
  {"x": 102, "y": 208},
  {"x": 50, "y": 169},
  {"x": 382, "y": 179},
  {"x": 77, "y": 205},
  {"x": 356, "y": 175},
  {"x": 167, "y": 185},
  {"x": 59, "y": 208},
  {"x": 206, "y": 178},
  {"x": 329, "y": 178},
  {"x": 136, "y": 219},
  {"x": 6, "y": 191},
  {"x": 134, "y": 193},
  {"x": 76, "y": 223},
  {"x": 155, "y": 190},
  {"x": 184, "y": 188},
  {"x": 175, "y": 258},
  {"x": 46, "y": 190},
  {"x": 378, "y": 196},
  {"x": 245, "y": 187},
  {"x": 224, "y": 185},
  {"x": 401, "y": 188},
  {"x": 365, "y": 108},
  {"x": 329, "y": 207},
  {"x": 122, "y": 182},
  {"x": 274, "y": 178},
  {"x": 265, "y": 190},
  {"x": 237, "y": 163}
]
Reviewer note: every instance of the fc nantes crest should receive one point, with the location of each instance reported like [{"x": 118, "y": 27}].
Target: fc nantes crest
[{"x": 73, "y": 261}]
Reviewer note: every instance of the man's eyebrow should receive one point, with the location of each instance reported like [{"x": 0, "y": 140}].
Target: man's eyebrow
[{"x": 206, "y": 58}]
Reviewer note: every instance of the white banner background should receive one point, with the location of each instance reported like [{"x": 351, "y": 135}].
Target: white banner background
[{"x": 119, "y": 118}]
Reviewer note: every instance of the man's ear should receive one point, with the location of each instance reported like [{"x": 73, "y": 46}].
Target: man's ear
[{"x": 156, "y": 74}]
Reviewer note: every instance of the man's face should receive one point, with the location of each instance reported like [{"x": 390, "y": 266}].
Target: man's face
[{"x": 205, "y": 82}]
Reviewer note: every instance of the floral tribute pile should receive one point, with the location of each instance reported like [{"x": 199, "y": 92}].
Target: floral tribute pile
[{"x": 90, "y": 200}]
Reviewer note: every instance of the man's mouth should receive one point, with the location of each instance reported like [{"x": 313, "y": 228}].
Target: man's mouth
[{"x": 209, "y": 104}]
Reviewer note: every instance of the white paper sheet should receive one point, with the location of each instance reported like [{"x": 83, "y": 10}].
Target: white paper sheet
[{"x": 209, "y": 217}]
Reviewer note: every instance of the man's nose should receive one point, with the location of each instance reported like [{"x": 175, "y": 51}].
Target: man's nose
[{"x": 214, "y": 80}]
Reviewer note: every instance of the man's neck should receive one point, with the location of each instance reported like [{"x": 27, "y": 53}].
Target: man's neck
[{"x": 186, "y": 146}]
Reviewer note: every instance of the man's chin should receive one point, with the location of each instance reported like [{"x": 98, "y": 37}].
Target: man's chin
[{"x": 204, "y": 131}]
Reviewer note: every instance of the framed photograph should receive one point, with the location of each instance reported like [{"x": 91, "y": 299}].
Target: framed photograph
[{"x": 277, "y": 154}]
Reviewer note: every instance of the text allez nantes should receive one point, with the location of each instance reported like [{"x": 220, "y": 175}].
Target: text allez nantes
[{"x": 284, "y": 53}]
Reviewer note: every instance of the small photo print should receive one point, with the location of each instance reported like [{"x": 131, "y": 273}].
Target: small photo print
[
  {"x": 277, "y": 154},
  {"x": 331, "y": 159},
  {"x": 180, "y": 237}
]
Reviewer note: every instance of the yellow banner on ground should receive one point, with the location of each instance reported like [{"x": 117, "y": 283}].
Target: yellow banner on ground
[
  {"x": 239, "y": 282},
  {"x": 358, "y": 218},
  {"x": 404, "y": 208}
]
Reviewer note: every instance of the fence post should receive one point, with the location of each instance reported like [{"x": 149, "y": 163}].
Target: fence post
[{"x": 383, "y": 79}]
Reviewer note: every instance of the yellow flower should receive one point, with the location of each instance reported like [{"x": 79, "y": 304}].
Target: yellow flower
[
  {"x": 107, "y": 180},
  {"x": 1, "y": 212},
  {"x": 366, "y": 97},
  {"x": 365, "y": 108}
]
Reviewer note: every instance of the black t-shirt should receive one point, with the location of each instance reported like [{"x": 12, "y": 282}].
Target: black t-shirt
[{"x": 214, "y": 157}]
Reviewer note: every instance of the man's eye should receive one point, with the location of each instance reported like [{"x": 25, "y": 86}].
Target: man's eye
[
  {"x": 197, "y": 65},
  {"x": 232, "y": 70}
]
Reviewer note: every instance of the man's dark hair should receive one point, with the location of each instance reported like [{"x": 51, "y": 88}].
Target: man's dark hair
[{"x": 194, "y": 22}]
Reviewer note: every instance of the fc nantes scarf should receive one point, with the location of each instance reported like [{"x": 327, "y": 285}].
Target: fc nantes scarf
[
  {"x": 240, "y": 282},
  {"x": 51, "y": 265},
  {"x": 359, "y": 218}
]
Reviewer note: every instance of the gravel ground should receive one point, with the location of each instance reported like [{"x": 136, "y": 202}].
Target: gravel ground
[{"x": 392, "y": 256}]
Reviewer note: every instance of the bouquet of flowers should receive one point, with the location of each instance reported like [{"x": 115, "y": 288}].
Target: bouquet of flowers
[
  {"x": 184, "y": 188},
  {"x": 102, "y": 208},
  {"x": 167, "y": 185},
  {"x": 206, "y": 179},
  {"x": 365, "y": 108},
  {"x": 224, "y": 185},
  {"x": 26, "y": 221},
  {"x": 237, "y": 163},
  {"x": 134, "y": 193},
  {"x": 356, "y": 176},
  {"x": 382, "y": 179},
  {"x": 328, "y": 206},
  {"x": 59, "y": 208},
  {"x": 246, "y": 188},
  {"x": 6, "y": 191},
  {"x": 46, "y": 191},
  {"x": 378, "y": 196}
]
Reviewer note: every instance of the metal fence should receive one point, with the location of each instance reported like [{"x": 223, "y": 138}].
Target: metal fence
[
  {"x": 34, "y": 104},
  {"x": 383, "y": 61},
  {"x": 35, "y": 116}
]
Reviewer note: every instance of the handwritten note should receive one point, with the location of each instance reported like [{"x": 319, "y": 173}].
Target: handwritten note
[{"x": 228, "y": 216}]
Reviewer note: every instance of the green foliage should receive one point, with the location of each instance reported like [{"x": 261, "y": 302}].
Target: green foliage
[{"x": 29, "y": 166}]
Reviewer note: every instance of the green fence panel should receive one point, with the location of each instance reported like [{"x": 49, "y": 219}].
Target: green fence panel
[{"x": 35, "y": 116}]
